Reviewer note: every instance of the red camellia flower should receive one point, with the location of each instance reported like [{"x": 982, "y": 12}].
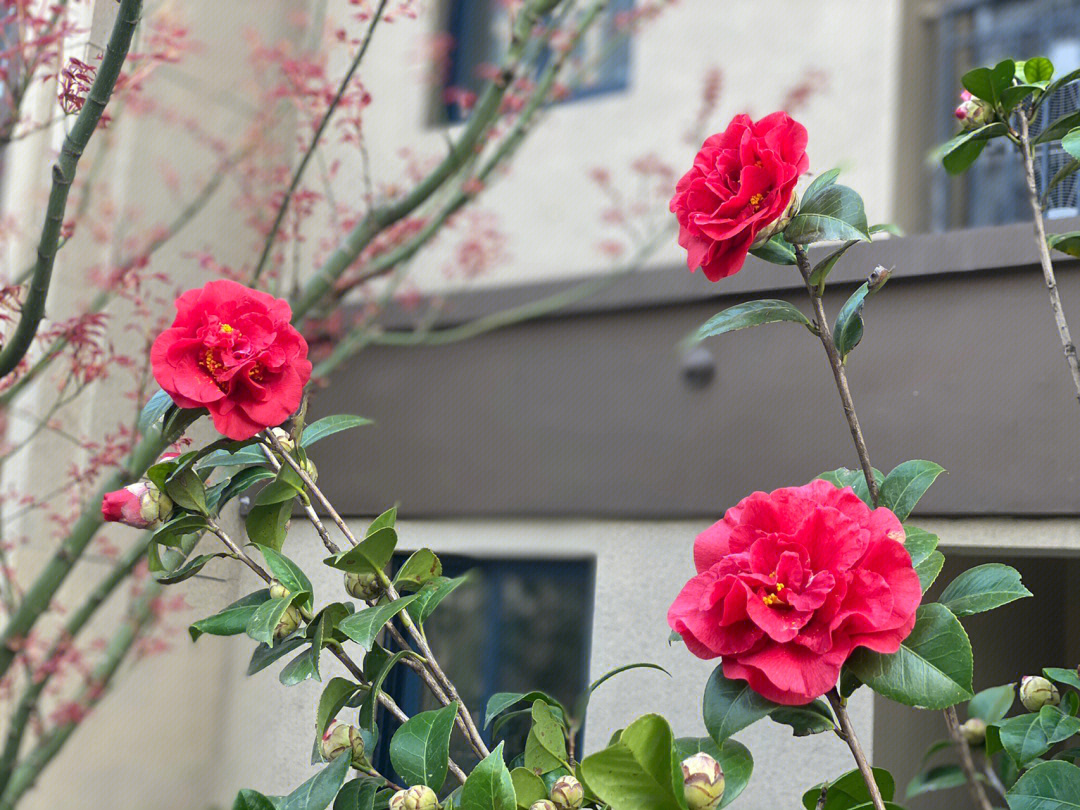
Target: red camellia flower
[
  {"x": 742, "y": 182},
  {"x": 233, "y": 351},
  {"x": 790, "y": 582}
]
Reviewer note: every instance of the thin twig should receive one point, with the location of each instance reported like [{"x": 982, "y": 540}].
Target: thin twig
[
  {"x": 1044, "y": 253},
  {"x": 967, "y": 764},
  {"x": 848, "y": 735},
  {"x": 839, "y": 374}
]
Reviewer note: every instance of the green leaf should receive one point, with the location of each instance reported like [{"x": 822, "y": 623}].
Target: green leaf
[
  {"x": 371, "y": 700},
  {"x": 983, "y": 588},
  {"x": 252, "y": 800},
  {"x": 545, "y": 747},
  {"x": 825, "y": 266},
  {"x": 919, "y": 544},
  {"x": 1011, "y": 96},
  {"x": 422, "y": 566},
  {"x": 172, "y": 532},
  {"x": 813, "y": 718},
  {"x": 318, "y": 791},
  {"x": 905, "y": 485},
  {"x": 1047, "y": 786},
  {"x": 244, "y": 457},
  {"x": 820, "y": 183},
  {"x": 334, "y": 696},
  {"x": 980, "y": 83},
  {"x": 843, "y": 477},
  {"x": 849, "y": 790},
  {"x": 328, "y": 426},
  {"x": 266, "y": 524},
  {"x": 942, "y": 777},
  {"x": 265, "y": 618},
  {"x": 420, "y": 749},
  {"x": 264, "y": 655},
  {"x": 730, "y": 706},
  {"x": 299, "y": 669},
  {"x": 187, "y": 490},
  {"x": 776, "y": 251},
  {"x": 528, "y": 787},
  {"x": 1028, "y": 736},
  {"x": 1068, "y": 677},
  {"x": 1059, "y": 128},
  {"x": 288, "y": 573},
  {"x": 734, "y": 758},
  {"x": 1069, "y": 169},
  {"x": 849, "y": 322},
  {"x": 1068, "y": 243},
  {"x": 386, "y": 520},
  {"x": 154, "y": 409},
  {"x": 836, "y": 212},
  {"x": 232, "y": 620},
  {"x": 929, "y": 569},
  {"x": 752, "y": 313},
  {"x": 358, "y": 794},
  {"x": 1038, "y": 69},
  {"x": 363, "y": 626},
  {"x": 639, "y": 771},
  {"x": 932, "y": 668},
  {"x": 1057, "y": 725},
  {"x": 960, "y": 151},
  {"x": 429, "y": 597},
  {"x": 489, "y": 786},
  {"x": 501, "y": 701},
  {"x": 370, "y": 556},
  {"x": 189, "y": 569},
  {"x": 991, "y": 705},
  {"x": 277, "y": 491}
]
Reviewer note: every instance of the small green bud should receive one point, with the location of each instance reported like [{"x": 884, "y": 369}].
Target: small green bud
[
  {"x": 284, "y": 439},
  {"x": 974, "y": 731},
  {"x": 288, "y": 623},
  {"x": 567, "y": 793},
  {"x": 339, "y": 738},
  {"x": 308, "y": 466},
  {"x": 418, "y": 797},
  {"x": 363, "y": 586},
  {"x": 1036, "y": 692},
  {"x": 543, "y": 804},
  {"x": 703, "y": 782},
  {"x": 278, "y": 591}
]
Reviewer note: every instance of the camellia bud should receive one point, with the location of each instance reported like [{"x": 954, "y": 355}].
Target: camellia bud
[
  {"x": 974, "y": 731},
  {"x": 278, "y": 591},
  {"x": 543, "y": 804},
  {"x": 140, "y": 505},
  {"x": 363, "y": 586},
  {"x": 339, "y": 738},
  {"x": 703, "y": 782},
  {"x": 972, "y": 112},
  {"x": 1036, "y": 692},
  {"x": 567, "y": 793},
  {"x": 284, "y": 439},
  {"x": 418, "y": 797},
  {"x": 288, "y": 623},
  {"x": 308, "y": 466},
  {"x": 771, "y": 230}
]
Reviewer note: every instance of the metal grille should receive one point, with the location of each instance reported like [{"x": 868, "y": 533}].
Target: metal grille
[{"x": 982, "y": 32}]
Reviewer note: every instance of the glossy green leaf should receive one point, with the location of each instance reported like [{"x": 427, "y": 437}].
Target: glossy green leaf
[
  {"x": 836, "y": 212},
  {"x": 288, "y": 573},
  {"x": 318, "y": 791},
  {"x": 335, "y": 695},
  {"x": 265, "y": 618},
  {"x": 1071, "y": 142},
  {"x": 1068, "y": 677},
  {"x": 358, "y": 794},
  {"x": 370, "y": 703},
  {"x": 991, "y": 705},
  {"x": 264, "y": 655},
  {"x": 489, "y": 786},
  {"x": 1047, "y": 786},
  {"x": 849, "y": 322},
  {"x": 232, "y": 620},
  {"x": 820, "y": 183},
  {"x": 581, "y": 705},
  {"x": 1028, "y": 736},
  {"x": 929, "y": 569},
  {"x": 843, "y": 477},
  {"x": 932, "y": 668},
  {"x": 172, "y": 532},
  {"x": 363, "y": 626},
  {"x": 813, "y": 718},
  {"x": 752, "y": 313},
  {"x": 370, "y": 556},
  {"x": 776, "y": 251},
  {"x": 1038, "y": 69},
  {"x": 640, "y": 770},
  {"x": 501, "y": 701},
  {"x": 906, "y": 484},
  {"x": 1068, "y": 243},
  {"x": 919, "y": 543},
  {"x": 187, "y": 490},
  {"x": 328, "y": 426},
  {"x": 422, "y": 566},
  {"x": 420, "y": 749},
  {"x": 387, "y": 520},
  {"x": 266, "y": 524},
  {"x": 429, "y": 597},
  {"x": 730, "y": 706},
  {"x": 528, "y": 787},
  {"x": 252, "y": 800},
  {"x": 545, "y": 747},
  {"x": 983, "y": 588},
  {"x": 277, "y": 491},
  {"x": 941, "y": 777},
  {"x": 825, "y": 266},
  {"x": 960, "y": 151},
  {"x": 1011, "y": 96},
  {"x": 300, "y": 669},
  {"x": 1059, "y": 128},
  {"x": 849, "y": 790},
  {"x": 245, "y": 457},
  {"x": 154, "y": 409},
  {"x": 189, "y": 569}
]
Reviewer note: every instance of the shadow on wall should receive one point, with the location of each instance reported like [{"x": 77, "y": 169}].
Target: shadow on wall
[{"x": 1018, "y": 639}]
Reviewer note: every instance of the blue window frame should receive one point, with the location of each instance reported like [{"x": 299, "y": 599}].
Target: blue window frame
[
  {"x": 514, "y": 626},
  {"x": 480, "y": 30},
  {"x": 982, "y": 32}
]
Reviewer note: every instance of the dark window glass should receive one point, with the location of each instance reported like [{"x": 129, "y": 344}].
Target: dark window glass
[{"x": 514, "y": 626}]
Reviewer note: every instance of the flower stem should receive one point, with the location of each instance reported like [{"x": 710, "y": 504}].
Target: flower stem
[
  {"x": 848, "y": 735},
  {"x": 967, "y": 763},
  {"x": 1044, "y": 253},
  {"x": 839, "y": 374}
]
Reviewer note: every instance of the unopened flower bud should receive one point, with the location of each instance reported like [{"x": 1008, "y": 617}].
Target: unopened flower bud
[
  {"x": 288, "y": 623},
  {"x": 567, "y": 793},
  {"x": 278, "y": 591},
  {"x": 1036, "y": 692},
  {"x": 974, "y": 731},
  {"x": 418, "y": 797},
  {"x": 543, "y": 804},
  {"x": 703, "y": 782},
  {"x": 308, "y": 466},
  {"x": 284, "y": 439},
  {"x": 972, "y": 112},
  {"x": 140, "y": 505},
  {"x": 778, "y": 225},
  {"x": 339, "y": 738},
  {"x": 363, "y": 586}
]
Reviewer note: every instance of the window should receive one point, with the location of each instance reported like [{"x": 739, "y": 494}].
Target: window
[
  {"x": 982, "y": 32},
  {"x": 480, "y": 29},
  {"x": 514, "y": 626}
]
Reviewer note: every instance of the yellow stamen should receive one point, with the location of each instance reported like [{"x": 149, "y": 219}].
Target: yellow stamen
[
  {"x": 779, "y": 587},
  {"x": 771, "y": 599},
  {"x": 756, "y": 200},
  {"x": 228, "y": 330}
]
